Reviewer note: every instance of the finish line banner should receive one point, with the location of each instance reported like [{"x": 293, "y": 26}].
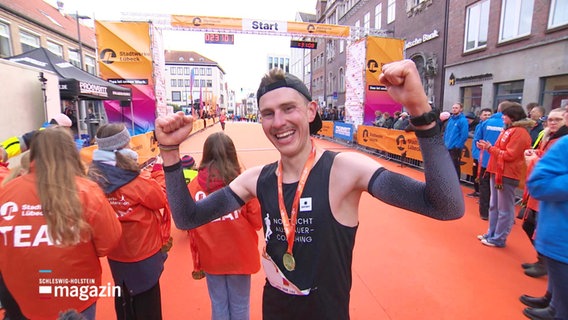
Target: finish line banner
[{"x": 259, "y": 25}]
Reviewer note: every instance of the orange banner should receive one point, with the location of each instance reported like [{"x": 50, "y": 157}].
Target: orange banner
[
  {"x": 326, "y": 129},
  {"x": 283, "y": 28},
  {"x": 466, "y": 159},
  {"x": 380, "y": 51},
  {"x": 126, "y": 59},
  {"x": 393, "y": 141}
]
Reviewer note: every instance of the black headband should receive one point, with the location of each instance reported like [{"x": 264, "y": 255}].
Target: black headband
[{"x": 289, "y": 81}]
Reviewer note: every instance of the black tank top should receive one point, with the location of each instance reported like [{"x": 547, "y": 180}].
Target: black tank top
[{"x": 323, "y": 248}]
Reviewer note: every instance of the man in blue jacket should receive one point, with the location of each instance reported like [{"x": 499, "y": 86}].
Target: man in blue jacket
[
  {"x": 489, "y": 131},
  {"x": 455, "y": 135},
  {"x": 483, "y": 115}
]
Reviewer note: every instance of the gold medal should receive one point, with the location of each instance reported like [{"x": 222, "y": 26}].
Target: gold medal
[
  {"x": 197, "y": 275},
  {"x": 289, "y": 261}
]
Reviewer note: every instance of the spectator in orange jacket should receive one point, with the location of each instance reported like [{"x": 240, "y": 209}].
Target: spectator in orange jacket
[
  {"x": 57, "y": 225},
  {"x": 506, "y": 166},
  {"x": 225, "y": 250},
  {"x": 138, "y": 200}
]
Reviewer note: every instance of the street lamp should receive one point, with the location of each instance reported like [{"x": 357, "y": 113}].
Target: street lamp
[{"x": 77, "y": 18}]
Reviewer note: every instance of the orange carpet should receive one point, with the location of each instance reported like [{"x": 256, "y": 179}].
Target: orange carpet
[{"x": 405, "y": 266}]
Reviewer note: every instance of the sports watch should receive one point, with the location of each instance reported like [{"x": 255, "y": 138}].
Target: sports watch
[{"x": 424, "y": 119}]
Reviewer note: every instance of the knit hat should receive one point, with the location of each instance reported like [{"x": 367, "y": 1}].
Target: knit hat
[
  {"x": 62, "y": 120},
  {"x": 187, "y": 161},
  {"x": 470, "y": 115},
  {"x": 114, "y": 142}
]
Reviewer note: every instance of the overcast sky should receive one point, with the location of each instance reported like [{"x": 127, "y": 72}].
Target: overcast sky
[{"x": 244, "y": 62}]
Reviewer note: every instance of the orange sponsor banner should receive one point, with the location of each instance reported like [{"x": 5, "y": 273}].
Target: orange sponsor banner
[
  {"x": 259, "y": 25},
  {"x": 380, "y": 51},
  {"x": 466, "y": 164},
  {"x": 397, "y": 142},
  {"x": 326, "y": 129},
  {"x": 209, "y": 23},
  {"x": 319, "y": 29}
]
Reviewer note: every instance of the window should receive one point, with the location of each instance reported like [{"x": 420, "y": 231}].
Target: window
[
  {"x": 391, "y": 11},
  {"x": 471, "y": 98},
  {"x": 173, "y": 71},
  {"x": 202, "y": 83},
  {"x": 176, "y": 96},
  {"x": 367, "y": 22},
  {"x": 90, "y": 65},
  {"x": 55, "y": 48},
  {"x": 186, "y": 70},
  {"x": 209, "y": 71},
  {"x": 195, "y": 82},
  {"x": 555, "y": 93},
  {"x": 378, "y": 16},
  {"x": 5, "y": 46},
  {"x": 209, "y": 83},
  {"x": 516, "y": 19},
  {"x": 477, "y": 22},
  {"x": 74, "y": 58},
  {"x": 29, "y": 41},
  {"x": 511, "y": 91},
  {"x": 180, "y": 83},
  {"x": 180, "y": 70},
  {"x": 558, "y": 13},
  {"x": 186, "y": 83},
  {"x": 341, "y": 46},
  {"x": 173, "y": 83}
]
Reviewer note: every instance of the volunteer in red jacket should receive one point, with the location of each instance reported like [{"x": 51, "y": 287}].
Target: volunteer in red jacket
[
  {"x": 55, "y": 224},
  {"x": 506, "y": 166},
  {"x": 225, "y": 250},
  {"x": 138, "y": 200}
]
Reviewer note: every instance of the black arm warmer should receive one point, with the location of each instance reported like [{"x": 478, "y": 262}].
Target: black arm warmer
[
  {"x": 187, "y": 213},
  {"x": 440, "y": 197}
]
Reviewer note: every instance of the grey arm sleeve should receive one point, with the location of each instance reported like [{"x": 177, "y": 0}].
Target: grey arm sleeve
[
  {"x": 187, "y": 213},
  {"x": 440, "y": 197}
]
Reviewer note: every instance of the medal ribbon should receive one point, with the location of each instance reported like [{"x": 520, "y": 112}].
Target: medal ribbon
[{"x": 290, "y": 223}]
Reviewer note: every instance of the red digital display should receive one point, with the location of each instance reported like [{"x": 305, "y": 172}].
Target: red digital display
[
  {"x": 303, "y": 44},
  {"x": 220, "y": 38}
]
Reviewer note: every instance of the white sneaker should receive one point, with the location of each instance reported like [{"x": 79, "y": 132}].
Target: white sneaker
[{"x": 481, "y": 237}]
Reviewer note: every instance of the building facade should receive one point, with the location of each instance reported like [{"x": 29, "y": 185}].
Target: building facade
[
  {"x": 194, "y": 80},
  {"x": 300, "y": 58},
  {"x": 29, "y": 24},
  {"x": 507, "y": 50}
]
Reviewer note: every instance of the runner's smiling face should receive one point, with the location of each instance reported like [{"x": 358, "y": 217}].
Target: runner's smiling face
[{"x": 285, "y": 116}]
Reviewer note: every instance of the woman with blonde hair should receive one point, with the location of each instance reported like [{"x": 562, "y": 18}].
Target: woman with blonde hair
[
  {"x": 56, "y": 224},
  {"x": 225, "y": 250}
]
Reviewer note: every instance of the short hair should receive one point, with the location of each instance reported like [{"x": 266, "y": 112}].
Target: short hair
[
  {"x": 485, "y": 110},
  {"x": 505, "y": 105},
  {"x": 530, "y": 106},
  {"x": 515, "y": 112},
  {"x": 540, "y": 108}
]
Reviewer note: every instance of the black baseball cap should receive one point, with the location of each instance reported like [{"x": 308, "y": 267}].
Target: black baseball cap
[{"x": 291, "y": 81}]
